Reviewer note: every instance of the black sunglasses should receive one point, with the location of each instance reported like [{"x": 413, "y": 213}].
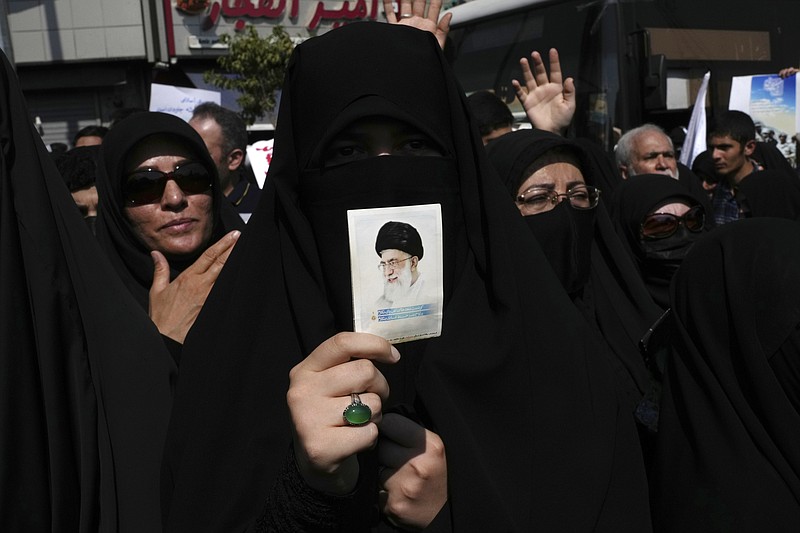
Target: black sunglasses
[
  {"x": 147, "y": 186},
  {"x": 663, "y": 225}
]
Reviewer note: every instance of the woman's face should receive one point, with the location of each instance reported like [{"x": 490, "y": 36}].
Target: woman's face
[
  {"x": 678, "y": 209},
  {"x": 177, "y": 224},
  {"x": 556, "y": 178}
]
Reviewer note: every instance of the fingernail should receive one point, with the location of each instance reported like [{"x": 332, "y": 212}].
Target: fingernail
[
  {"x": 395, "y": 354},
  {"x": 236, "y": 234}
]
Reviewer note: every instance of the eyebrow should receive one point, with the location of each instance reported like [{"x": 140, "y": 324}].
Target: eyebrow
[
  {"x": 149, "y": 168},
  {"x": 550, "y": 186},
  {"x": 665, "y": 153}
]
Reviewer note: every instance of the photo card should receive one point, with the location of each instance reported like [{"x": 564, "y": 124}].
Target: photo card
[{"x": 396, "y": 267}]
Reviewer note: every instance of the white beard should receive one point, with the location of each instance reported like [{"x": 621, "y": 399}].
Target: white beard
[{"x": 399, "y": 288}]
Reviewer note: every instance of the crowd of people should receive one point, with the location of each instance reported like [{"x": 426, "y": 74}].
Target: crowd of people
[{"x": 617, "y": 345}]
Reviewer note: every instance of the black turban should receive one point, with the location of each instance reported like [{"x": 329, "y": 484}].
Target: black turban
[{"x": 399, "y": 236}]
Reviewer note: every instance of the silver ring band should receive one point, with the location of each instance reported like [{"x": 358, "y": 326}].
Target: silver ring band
[{"x": 406, "y": 16}]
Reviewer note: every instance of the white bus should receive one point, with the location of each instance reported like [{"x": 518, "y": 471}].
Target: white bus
[{"x": 633, "y": 61}]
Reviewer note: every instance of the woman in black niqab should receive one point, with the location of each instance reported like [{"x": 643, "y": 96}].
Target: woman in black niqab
[
  {"x": 656, "y": 259},
  {"x": 513, "y": 385},
  {"x": 727, "y": 453},
  {"x": 587, "y": 256}
]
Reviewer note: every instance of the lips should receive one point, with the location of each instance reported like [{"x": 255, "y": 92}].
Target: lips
[{"x": 179, "y": 225}]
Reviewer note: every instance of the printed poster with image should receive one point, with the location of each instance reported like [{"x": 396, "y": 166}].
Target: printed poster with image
[
  {"x": 768, "y": 99},
  {"x": 396, "y": 267}
]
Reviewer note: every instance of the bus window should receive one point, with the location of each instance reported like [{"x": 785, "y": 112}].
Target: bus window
[
  {"x": 634, "y": 61},
  {"x": 485, "y": 54}
]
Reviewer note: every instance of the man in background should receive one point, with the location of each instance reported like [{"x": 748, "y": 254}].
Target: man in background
[
  {"x": 731, "y": 142},
  {"x": 225, "y": 135},
  {"x": 646, "y": 150},
  {"x": 89, "y": 136},
  {"x": 492, "y": 115}
]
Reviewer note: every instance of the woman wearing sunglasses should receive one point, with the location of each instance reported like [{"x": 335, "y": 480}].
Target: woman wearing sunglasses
[
  {"x": 160, "y": 210},
  {"x": 551, "y": 180},
  {"x": 659, "y": 221}
]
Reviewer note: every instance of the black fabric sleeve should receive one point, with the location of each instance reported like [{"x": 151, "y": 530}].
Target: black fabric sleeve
[
  {"x": 174, "y": 348},
  {"x": 294, "y": 507},
  {"x": 442, "y": 522}
]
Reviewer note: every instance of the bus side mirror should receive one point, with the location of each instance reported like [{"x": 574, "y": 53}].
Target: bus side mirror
[{"x": 654, "y": 84}]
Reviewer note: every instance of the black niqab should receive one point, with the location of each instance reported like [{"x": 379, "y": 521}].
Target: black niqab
[
  {"x": 635, "y": 199},
  {"x": 615, "y": 298},
  {"x": 528, "y": 413}
]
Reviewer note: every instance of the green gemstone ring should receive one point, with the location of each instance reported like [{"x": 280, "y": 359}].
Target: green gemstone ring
[{"x": 357, "y": 413}]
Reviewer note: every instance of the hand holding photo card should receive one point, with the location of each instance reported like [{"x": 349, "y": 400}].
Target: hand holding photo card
[{"x": 396, "y": 266}]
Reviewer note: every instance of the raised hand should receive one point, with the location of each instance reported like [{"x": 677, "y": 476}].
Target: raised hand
[
  {"x": 412, "y": 13},
  {"x": 174, "y": 306},
  {"x": 549, "y": 103}
]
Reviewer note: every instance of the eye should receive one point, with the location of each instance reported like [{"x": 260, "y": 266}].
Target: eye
[
  {"x": 578, "y": 193},
  {"x": 535, "y": 198},
  {"x": 343, "y": 152},
  {"x": 419, "y": 146}
]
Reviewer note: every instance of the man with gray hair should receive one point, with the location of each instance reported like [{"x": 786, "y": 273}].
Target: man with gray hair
[{"x": 646, "y": 150}]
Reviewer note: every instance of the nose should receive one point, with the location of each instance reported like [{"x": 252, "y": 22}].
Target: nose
[
  {"x": 661, "y": 162},
  {"x": 173, "y": 196}
]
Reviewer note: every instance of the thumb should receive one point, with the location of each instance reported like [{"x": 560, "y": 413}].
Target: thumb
[{"x": 160, "y": 272}]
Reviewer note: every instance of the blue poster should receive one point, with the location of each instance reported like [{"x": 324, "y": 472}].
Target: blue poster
[{"x": 773, "y": 103}]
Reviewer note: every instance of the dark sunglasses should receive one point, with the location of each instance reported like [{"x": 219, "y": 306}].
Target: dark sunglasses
[
  {"x": 147, "y": 186},
  {"x": 663, "y": 225}
]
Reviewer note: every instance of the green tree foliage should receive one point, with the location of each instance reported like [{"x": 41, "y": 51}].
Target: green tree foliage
[{"x": 255, "y": 67}]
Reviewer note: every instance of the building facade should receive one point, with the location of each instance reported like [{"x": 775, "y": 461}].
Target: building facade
[{"x": 81, "y": 61}]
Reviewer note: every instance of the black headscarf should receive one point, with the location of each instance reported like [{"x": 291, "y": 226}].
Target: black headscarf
[
  {"x": 604, "y": 169},
  {"x": 728, "y": 458},
  {"x": 657, "y": 261},
  {"x": 612, "y": 296},
  {"x": 693, "y": 184},
  {"x": 771, "y": 158},
  {"x": 129, "y": 256},
  {"x": 83, "y": 371},
  {"x": 528, "y": 414},
  {"x": 770, "y": 193}
]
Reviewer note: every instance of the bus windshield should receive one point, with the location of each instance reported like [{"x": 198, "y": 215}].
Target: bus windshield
[{"x": 633, "y": 61}]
